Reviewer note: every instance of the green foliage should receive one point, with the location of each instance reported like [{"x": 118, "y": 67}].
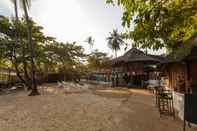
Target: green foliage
[
  {"x": 68, "y": 54},
  {"x": 159, "y": 23},
  {"x": 98, "y": 60},
  {"x": 4, "y": 27},
  {"x": 48, "y": 52}
]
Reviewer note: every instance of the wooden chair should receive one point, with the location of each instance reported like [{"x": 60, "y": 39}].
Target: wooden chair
[
  {"x": 157, "y": 91},
  {"x": 165, "y": 103}
]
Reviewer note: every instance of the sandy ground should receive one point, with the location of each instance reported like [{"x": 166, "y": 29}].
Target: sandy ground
[{"x": 93, "y": 110}]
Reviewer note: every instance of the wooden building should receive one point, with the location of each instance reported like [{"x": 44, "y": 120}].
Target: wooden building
[
  {"x": 137, "y": 65},
  {"x": 182, "y": 74},
  {"x": 181, "y": 77}
]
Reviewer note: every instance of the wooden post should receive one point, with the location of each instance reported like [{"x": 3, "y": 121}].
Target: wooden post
[{"x": 184, "y": 124}]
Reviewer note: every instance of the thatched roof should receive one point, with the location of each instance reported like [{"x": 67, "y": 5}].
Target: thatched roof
[{"x": 135, "y": 55}]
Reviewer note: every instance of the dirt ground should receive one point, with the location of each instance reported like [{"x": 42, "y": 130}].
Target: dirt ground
[{"x": 93, "y": 110}]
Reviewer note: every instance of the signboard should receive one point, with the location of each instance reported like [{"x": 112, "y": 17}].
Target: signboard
[
  {"x": 178, "y": 100},
  {"x": 190, "y": 113}
]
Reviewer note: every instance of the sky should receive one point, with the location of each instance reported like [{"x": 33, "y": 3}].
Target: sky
[{"x": 75, "y": 20}]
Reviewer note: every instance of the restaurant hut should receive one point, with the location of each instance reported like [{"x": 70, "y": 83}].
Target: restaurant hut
[
  {"x": 181, "y": 78},
  {"x": 182, "y": 73},
  {"x": 134, "y": 68}
]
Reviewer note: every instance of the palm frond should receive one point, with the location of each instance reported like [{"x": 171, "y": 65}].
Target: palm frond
[{"x": 115, "y": 40}]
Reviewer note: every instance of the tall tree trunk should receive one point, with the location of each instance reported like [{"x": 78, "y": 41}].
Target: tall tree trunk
[
  {"x": 64, "y": 72},
  {"x": 16, "y": 13},
  {"x": 116, "y": 53},
  {"x": 26, "y": 75},
  {"x": 17, "y": 36},
  {"x": 33, "y": 67},
  {"x": 9, "y": 77},
  {"x": 25, "y": 65},
  {"x": 46, "y": 72},
  {"x": 18, "y": 72}
]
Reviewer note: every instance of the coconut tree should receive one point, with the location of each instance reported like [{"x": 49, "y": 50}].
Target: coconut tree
[
  {"x": 16, "y": 21},
  {"x": 25, "y": 4},
  {"x": 115, "y": 40},
  {"x": 90, "y": 41},
  {"x": 16, "y": 9}
]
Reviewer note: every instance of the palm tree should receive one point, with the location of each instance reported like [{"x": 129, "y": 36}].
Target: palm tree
[
  {"x": 90, "y": 41},
  {"x": 17, "y": 19},
  {"x": 115, "y": 40},
  {"x": 16, "y": 10},
  {"x": 25, "y": 5}
]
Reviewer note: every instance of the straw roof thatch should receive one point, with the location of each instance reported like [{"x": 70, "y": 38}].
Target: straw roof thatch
[{"x": 135, "y": 55}]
